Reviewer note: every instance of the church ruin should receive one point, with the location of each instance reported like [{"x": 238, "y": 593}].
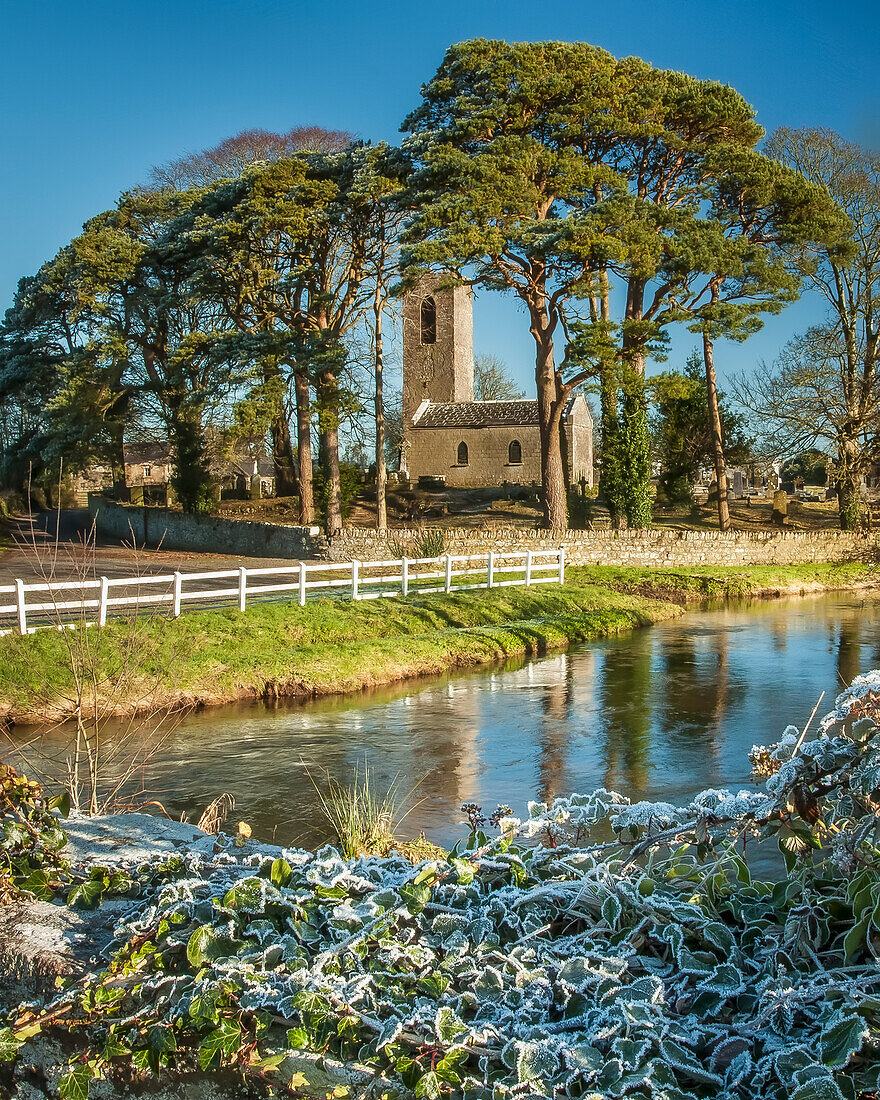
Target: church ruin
[{"x": 449, "y": 435}]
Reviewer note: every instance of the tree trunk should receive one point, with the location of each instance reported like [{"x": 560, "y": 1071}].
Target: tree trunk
[
  {"x": 304, "y": 448},
  {"x": 378, "y": 367},
  {"x": 282, "y": 456},
  {"x": 849, "y": 484},
  {"x": 635, "y": 452},
  {"x": 117, "y": 458},
  {"x": 330, "y": 450},
  {"x": 555, "y": 505},
  {"x": 191, "y": 480},
  {"x": 715, "y": 428}
]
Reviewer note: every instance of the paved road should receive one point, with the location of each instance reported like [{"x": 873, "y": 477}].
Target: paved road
[{"x": 44, "y": 550}]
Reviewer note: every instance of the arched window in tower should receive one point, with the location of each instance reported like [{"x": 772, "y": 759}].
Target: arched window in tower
[
  {"x": 514, "y": 453},
  {"x": 462, "y": 454},
  {"x": 428, "y": 321}
]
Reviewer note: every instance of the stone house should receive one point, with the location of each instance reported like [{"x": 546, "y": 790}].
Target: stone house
[
  {"x": 448, "y": 435},
  {"x": 148, "y": 464}
]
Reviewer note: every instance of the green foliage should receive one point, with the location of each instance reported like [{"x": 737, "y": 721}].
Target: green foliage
[
  {"x": 31, "y": 838},
  {"x": 350, "y": 484},
  {"x": 809, "y": 466},
  {"x": 681, "y": 428}
]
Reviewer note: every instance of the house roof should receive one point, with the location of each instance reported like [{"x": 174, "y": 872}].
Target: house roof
[
  {"x": 482, "y": 414},
  {"x": 155, "y": 451}
]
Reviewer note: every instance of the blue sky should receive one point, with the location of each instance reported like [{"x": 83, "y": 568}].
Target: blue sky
[{"x": 94, "y": 93}]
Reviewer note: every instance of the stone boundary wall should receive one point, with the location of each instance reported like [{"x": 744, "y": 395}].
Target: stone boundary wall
[
  {"x": 656, "y": 547},
  {"x": 209, "y": 534}
]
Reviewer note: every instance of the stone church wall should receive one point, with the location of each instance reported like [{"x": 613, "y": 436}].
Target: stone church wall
[{"x": 433, "y": 451}]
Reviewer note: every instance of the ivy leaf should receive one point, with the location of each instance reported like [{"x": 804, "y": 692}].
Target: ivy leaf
[
  {"x": 87, "y": 895},
  {"x": 430, "y": 1085},
  {"x": 611, "y": 911},
  {"x": 815, "y": 1083},
  {"x": 464, "y": 869},
  {"x": 415, "y": 897},
  {"x": 535, "y": 1062},
  {"x": 680, "y": 1058},
  {"x": 9, "y": 1045},
  {"x": 75, "y": 1084},
  {"x": 207, "y": 944},
  {"x": 220, "y": 1043},
  {"x": 449, "y": 1026}
]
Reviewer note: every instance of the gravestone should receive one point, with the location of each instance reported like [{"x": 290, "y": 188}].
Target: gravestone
[
  {"x": 738, "y": 484},
  {"x": 780, "y": 507}
]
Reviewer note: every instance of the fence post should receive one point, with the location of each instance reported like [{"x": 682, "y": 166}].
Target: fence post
[
  {"x": 242, "y": 588},
  {"x": 404, "y": 576},
  {"x": 302, "y": 584},
  {"x": 178, "y": 581},
  {"x": 528, "y": 568},
  {"x": 448, "y": 572},
  {"x": 102, "y": 606},
  {"x": 562, "y": 565},
  {"x": 19, "y": 600},
  {"x": 355, "y": 578},
  {"x": 490, "y": 572}
]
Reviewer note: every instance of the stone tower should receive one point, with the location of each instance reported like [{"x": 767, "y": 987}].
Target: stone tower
[{"x": 438, "y": 345}]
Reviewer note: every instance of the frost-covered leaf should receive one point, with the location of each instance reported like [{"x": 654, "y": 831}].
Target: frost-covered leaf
[
  {"x": 684, "y": 1060},
  {"x": 207, "y": 944},
  {"x": 842, "y": 1039}
]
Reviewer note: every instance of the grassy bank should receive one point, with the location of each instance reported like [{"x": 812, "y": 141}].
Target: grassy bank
[{"x": 336, "y": 646}]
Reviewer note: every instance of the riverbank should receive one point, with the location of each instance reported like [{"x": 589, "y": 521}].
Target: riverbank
[{"x": 208, "y": 658}]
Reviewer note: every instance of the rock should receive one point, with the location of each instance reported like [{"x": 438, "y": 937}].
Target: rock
[
  {"x": 40, "y": 942},
  {"x": 129, "y": 838}
]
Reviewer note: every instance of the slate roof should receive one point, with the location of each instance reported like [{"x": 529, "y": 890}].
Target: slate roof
[
  {"x": 156, "y": 451},
  {"x": 477, "y": 414},
  {"x": 483, "y": 414}
]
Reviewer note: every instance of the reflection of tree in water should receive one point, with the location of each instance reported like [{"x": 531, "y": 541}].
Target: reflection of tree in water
[
  {"x": 849, "y": 649},
  {"x": 625, "y": 694},
  {"x": 555, "y": 734},
  {"x": 778, "y": 633},
  {"x": 695, "y": 689},
  {"x": 435, "y": 749}
]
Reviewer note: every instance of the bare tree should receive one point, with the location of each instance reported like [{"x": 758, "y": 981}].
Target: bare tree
[
  {"x": 492, "y": 380},
  {"x": 230, "y": 158},
  {"x": 804, "y": 400},
  {"x": 834, "y": 366}
]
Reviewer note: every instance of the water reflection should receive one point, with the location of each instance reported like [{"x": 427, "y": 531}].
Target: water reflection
[{"x": 661, "y": 713}]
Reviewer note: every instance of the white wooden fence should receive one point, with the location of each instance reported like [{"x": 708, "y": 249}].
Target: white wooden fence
[{"x": 50, "y": 605}]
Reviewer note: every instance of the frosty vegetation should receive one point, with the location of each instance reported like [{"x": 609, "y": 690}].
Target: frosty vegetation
[{"x": 597, "y": 949}]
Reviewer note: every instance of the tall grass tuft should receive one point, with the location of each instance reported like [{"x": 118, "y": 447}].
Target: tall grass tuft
[
  {"x": 430, "y": 543},
  {"x": 364, "y": 818}
]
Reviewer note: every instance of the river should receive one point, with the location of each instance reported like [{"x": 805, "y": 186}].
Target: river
[{"x": 660, "y": 713}]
